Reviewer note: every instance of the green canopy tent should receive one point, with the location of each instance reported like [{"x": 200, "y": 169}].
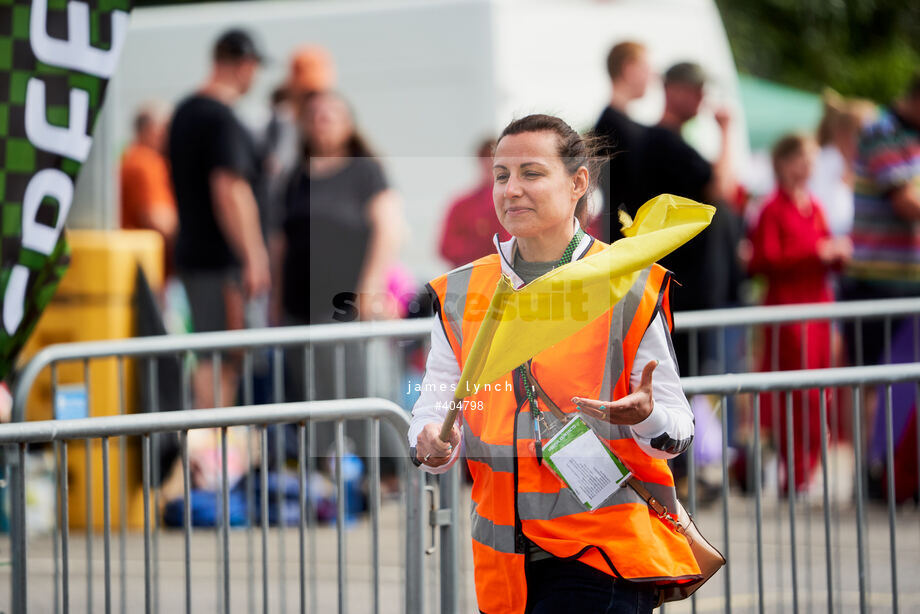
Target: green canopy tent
[{"x": 772, "y": 110}]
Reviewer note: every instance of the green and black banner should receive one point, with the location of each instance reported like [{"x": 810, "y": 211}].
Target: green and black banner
[{"x": 56, "y": 58}]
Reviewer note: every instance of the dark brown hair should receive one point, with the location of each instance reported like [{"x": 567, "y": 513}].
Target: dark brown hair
[
  {"x": 620, "y": 55},
  {"x": 357, "y": 145},
  {"x": 787, "y": 147},
  {"x": 574, "y": 149}
]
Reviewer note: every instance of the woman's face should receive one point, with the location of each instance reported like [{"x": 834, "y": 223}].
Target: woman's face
[
  {"x": 327, "y": 123},
  {"x": 532, "y": 190}
]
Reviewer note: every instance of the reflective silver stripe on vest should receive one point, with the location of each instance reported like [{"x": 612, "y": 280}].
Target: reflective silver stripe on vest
[
  {"x": 458, "y": 282},
  {"x": 623, "y": 314},
  {"x": 499, "y": 537},
  {"x": 547, "y": 506},
  {"x": 605, "y": 430},
  {"x": 497, "y": 457}
]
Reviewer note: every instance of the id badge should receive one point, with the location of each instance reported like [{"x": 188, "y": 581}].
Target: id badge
[{"x": 584, "y": 463}]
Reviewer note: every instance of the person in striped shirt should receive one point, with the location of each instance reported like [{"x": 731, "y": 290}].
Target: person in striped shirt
[{"x": 886, "y": 224}]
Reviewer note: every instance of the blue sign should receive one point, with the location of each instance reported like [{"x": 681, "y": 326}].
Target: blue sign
[{"x": 70, "y": 402}]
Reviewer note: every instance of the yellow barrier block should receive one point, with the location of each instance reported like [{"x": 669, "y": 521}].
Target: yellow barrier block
[{"x": 94, "y": 301}]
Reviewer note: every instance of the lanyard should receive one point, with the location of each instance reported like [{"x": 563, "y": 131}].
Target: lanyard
[{"x": 528, "y": 388}]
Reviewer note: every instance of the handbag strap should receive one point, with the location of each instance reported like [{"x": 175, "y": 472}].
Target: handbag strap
[{"x": 660, "y": 510}]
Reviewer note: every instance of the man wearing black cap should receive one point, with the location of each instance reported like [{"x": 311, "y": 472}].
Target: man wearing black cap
[
  {"x": 670, "y": 164},
  {"x": 220, "y": 252},
  {"x": 706, "y": 268}
]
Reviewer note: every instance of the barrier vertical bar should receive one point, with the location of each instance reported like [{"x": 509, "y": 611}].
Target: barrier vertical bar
[
  {"x": 693, "y": 351},
  {"x": 280, "y": 437},
  {"x": 263, "y": 475},
  {"x": 302, "y": 513},
  {"x": 225, "y": 512},
  {"x": 65, "y": 531},
  {"x": 857, "y": 445},
  {"x": 186, "y": 375},
  {"x": 725, "y": 493},
  {"x": 372, "y": 436},
  {"x": 892, "y": 526},
  {"x": 89, "y": 494},
  {"x": 415, "y": 531},
  {"x": 887, "y": 340},
  {"x": 790, "y": 492},
  {"x": 375, "y": 512},
  {"x": 217, "y": 400},
  {"x": 691, "y": 491},
  {"x": 339, "y": 371},
  {"x": 57, "y": 500},
  {"x": 860, "y": 354},
  {"x": 449, "y": 492},
  {"x": 145, "y": 463},
  {"x": 106, "y": 526},
  {"x": 828, "y": 560},
  {"x": 777, "y": 439},
  {"x": 122, "y": 495},
  {"x": 310, "y": 384},
  {"x": 187, "y": 518},
  {"x": 154, "y": 407},
  {"x": 806, "y": 466},
  {"x": 18, "y": 528},
  {"x": 250, "y": 488},
  {"x": 340, "y": 505}
]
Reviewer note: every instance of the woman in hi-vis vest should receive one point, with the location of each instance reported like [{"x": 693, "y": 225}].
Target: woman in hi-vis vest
[{"x": 535, "y": 547}]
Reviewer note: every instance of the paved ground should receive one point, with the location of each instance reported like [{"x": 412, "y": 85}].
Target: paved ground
[{"x": 246, "y": 590}]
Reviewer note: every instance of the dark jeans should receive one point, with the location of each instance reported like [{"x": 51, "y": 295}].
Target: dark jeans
[{"x": 556, "y": 585}]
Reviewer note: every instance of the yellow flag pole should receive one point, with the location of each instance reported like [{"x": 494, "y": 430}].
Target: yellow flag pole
[{"x": 476, "y": 359}]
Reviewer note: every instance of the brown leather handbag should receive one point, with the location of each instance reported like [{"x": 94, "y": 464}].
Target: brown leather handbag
[{"x": 708, "y": 558}]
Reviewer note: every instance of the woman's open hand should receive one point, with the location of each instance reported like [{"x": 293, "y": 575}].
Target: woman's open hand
[
  {"x": 631, "y": 409},
  {"x": 429, "y": 448}
]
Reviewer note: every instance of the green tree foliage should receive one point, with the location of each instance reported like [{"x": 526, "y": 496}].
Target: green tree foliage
[{"x": 866, "y": 48}]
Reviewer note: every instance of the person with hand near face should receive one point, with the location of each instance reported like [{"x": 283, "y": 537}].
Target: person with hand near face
[{"x": 535, "y": 547}]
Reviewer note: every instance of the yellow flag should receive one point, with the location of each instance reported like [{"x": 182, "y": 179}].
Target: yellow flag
[{"x": 521, "y": 323}]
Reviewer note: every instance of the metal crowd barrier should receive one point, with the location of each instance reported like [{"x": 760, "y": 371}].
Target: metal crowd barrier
[
  {"x": 737, "y": 355},
  {"x": 754, "y": 534},
  {"x": 280, "y": 343},
  {"x": 65, "y": 435},
  {"x": 144, "y": 352}
]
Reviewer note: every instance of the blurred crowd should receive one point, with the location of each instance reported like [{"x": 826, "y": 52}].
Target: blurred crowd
[{"x": 297, "y": 223}]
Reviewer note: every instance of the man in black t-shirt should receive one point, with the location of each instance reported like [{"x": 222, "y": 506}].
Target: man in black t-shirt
[
  {"x": 220, "y": 251},
  {"x": 706, "y": 268},
  {"x": 621, "y": 137}
]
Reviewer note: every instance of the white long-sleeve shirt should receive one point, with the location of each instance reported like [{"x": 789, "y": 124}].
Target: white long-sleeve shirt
[{"x": 665, "y": 433}]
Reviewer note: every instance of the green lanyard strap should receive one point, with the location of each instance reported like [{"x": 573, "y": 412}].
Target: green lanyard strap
[{"x": 528, "y": 388}]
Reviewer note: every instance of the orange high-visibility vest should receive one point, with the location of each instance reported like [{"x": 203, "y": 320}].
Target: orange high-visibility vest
[{"x": 516, "y": 497}]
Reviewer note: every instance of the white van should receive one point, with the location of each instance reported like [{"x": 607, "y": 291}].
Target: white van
[{"x": 428, "y": 79}]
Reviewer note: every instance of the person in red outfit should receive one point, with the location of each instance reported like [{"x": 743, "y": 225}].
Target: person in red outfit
[
  {"x": 793, "y": 249},
  {"x": 471, "y": 222}
]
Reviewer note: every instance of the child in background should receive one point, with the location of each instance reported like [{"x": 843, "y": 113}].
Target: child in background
[{"x": 794, "y": 250}]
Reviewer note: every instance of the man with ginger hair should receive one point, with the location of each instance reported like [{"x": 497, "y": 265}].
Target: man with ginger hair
[
  {"x": 629, "y": 71},
  {"x": 147, "y": 200}
]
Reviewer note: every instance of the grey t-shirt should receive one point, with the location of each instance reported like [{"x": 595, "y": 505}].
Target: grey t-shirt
[{"x": 529, "y": 271}]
